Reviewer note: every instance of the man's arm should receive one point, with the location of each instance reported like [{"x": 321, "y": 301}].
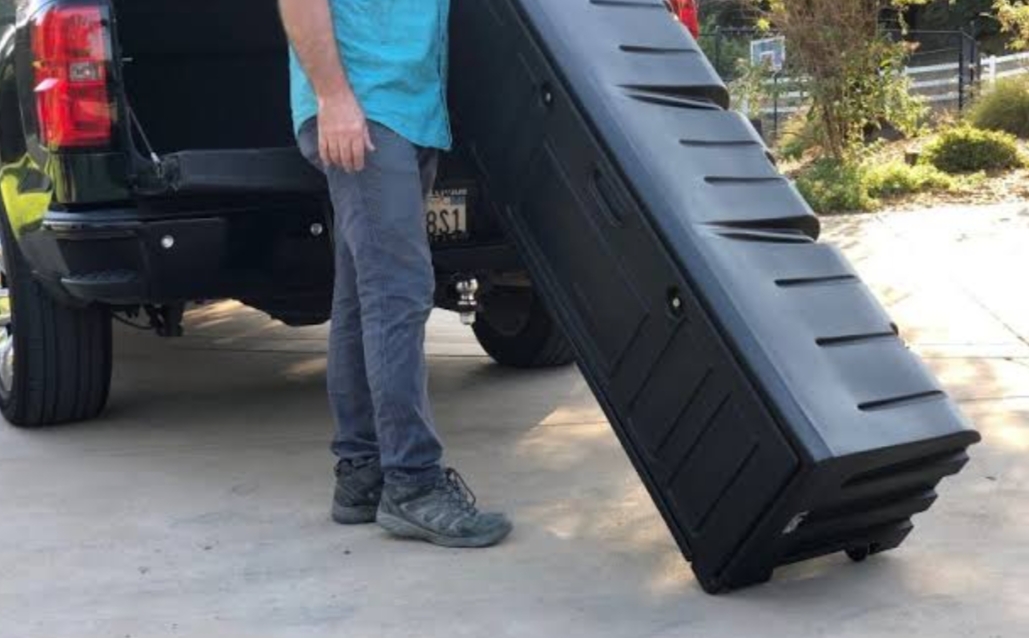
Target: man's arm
[{"x": 342, "y": 129}]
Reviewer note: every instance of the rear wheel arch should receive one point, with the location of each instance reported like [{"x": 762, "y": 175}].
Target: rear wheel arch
[{"x": 516, "y": 329}]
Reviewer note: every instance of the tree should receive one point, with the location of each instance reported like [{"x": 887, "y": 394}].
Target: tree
[
  {"x": 853, "y": 70},
  {"x": 1014, "y": 20}
]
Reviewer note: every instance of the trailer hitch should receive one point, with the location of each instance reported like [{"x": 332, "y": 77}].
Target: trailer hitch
[{"x": 467, "y": 299}]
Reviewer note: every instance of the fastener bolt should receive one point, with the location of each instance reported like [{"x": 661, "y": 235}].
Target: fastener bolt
[{"x": 547, "y": 95}]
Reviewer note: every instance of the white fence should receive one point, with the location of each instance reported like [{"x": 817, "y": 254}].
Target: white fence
[
  {"x": 938, "y": 84},
  {"x": 995, "y": 68}
]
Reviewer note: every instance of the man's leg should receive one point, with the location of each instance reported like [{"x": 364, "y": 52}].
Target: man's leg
[
  {"x": 359, "y": 476},
  {"x": 396, "y": 285},
  {"x": 349, "y": 394}
]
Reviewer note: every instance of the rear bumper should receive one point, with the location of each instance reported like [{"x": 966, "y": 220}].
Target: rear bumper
[{"x": 127, "y": 256}]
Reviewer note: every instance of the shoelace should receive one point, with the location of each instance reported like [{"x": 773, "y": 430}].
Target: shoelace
[
  {"x": 458, "y": 490},
  {"x": 351, "y": 467}
]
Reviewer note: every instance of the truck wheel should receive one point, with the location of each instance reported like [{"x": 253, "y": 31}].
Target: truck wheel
[
  {"x": 55, "y": 360},
  {"x": 516, "y": 330}
]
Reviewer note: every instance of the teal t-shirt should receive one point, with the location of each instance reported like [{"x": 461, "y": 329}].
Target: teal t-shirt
[{"x": 395, "y": 53}]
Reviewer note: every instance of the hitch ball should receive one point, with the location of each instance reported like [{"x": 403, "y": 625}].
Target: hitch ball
[{"x": 467, "y": 300}]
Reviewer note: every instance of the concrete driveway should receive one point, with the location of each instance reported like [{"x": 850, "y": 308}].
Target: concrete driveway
[{"x": 198, "y": 505}]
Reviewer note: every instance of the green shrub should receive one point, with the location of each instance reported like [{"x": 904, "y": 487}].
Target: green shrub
[
  {"x": 971, "y": 181},
  {"x": 1005, "y": 108},
  {"x": 965, "y": 149},
  {"x": 832, "y": 186},
  {"x": 897, "y": 178},
  {"x": 799, "y": 135}
]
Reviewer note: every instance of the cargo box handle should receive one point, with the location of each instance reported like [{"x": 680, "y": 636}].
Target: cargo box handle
[{"x": 606, "y": 196}]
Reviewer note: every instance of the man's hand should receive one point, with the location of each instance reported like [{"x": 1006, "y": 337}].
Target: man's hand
[{"x": 343, "y": 136}]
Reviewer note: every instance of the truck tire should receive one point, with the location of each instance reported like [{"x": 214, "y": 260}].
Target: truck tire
[
  {"x": 62, "y": 371},
  {"x": 516, "y": 330}
]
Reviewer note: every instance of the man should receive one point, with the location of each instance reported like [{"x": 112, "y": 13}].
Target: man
[{"x": 369, "y": 87}]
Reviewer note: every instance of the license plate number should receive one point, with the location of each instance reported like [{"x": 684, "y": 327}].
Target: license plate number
[{"x": 446, "y": 215}]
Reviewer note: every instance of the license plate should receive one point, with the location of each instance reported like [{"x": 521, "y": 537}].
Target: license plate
[{"x": 446, "y": 215}]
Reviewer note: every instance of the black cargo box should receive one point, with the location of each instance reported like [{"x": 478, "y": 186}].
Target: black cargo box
[{"x": 760, "y": 390}]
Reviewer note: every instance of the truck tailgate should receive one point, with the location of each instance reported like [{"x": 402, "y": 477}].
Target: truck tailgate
[{"x": 261, "y": 170}]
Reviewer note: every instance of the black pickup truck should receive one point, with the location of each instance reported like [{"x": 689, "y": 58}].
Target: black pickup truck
[{"x": 148, "y": 161}]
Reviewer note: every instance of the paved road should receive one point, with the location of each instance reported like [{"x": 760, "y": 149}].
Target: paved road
[{"x": 198, "y": 505}]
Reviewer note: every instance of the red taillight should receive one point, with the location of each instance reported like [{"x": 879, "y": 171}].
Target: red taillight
[
  {"x": 687, "y": 12},
  {"x": 71, "y": 62}
]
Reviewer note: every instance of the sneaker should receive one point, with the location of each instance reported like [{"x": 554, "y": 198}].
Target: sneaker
[
  {"x": 358, "y": 490},
  {"x": 442, "y": 513}
]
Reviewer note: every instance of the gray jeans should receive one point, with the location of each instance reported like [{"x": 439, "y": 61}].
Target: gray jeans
[{"x": 383, "y": 295}]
